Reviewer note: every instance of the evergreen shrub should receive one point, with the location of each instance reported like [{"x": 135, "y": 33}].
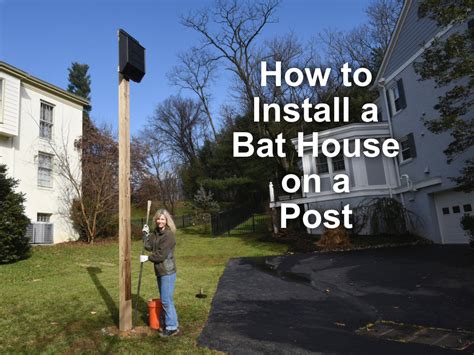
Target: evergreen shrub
[{"x": 14, "y": 245}]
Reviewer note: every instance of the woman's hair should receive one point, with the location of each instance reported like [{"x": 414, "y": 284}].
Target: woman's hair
[{"x": 169, "y": 219}]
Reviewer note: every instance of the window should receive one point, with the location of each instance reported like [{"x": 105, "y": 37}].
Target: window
[
  {"x": 43, "y": 217},
  {"x": 338, "y": 162},
  {"x": 396, "y": 97},
  {"x": 46, "y": 120},
  {"x": 322, "y": 164},
  {"x": 407, "y": 147},
  {"x": 467, "y": 208},
  {"x": 456, "y": 209},
  {"x": 45, "y": 170},
  {"x": 1, "y": 100},
  {"x": 445, "y": 210},
  {"x": 470, "y": 24}
]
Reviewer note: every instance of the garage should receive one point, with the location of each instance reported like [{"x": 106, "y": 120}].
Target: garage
[{"x": 450, "y": 207}]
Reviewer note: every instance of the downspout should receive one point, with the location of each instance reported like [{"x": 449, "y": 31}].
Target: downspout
[{"x": 381, "y": 84}]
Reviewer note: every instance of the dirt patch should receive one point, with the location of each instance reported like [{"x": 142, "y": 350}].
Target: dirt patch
[
  {"x": 137, "y": 332},
  {"x": 334, "y": 238}
]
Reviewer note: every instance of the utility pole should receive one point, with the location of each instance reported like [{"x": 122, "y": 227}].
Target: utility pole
[{"x": 131, "y": 66}]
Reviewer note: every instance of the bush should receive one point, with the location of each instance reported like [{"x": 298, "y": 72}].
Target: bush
[
  {"x": 203, "y": 205},
  {"x": 106, "y": 223},
  {"x": 235, "y": 189},
  {"x": 385, "y": 215},
  {"x": 14, "y": 245}
]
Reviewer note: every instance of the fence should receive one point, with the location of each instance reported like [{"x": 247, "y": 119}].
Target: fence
[
  {"x": 236, "y": 221},
  {"x": 239, "y": 221},
  {"x": 182, "y": 221}
]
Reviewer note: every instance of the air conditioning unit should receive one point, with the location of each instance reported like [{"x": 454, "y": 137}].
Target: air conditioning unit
[{"x": 40, "y": 233}]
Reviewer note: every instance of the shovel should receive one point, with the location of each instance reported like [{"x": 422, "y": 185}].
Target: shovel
[{"x": 141, "y": 269}]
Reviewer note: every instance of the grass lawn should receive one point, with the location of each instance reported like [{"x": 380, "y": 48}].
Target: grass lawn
[{"x": 60, "y": 298}]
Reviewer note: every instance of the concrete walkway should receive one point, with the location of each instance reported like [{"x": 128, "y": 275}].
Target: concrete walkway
[{"x": 338, "y": 302}]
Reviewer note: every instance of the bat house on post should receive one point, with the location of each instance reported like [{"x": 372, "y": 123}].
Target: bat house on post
[
  {"x": 131, "y": 67},
  {"x": 131, "y": 57}
]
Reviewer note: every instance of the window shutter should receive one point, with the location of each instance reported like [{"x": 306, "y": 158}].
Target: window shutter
[
  {"x": 401, "y": 92},
  {"x": 388, "y": 103},
  {"x": 411, "y": 143}
]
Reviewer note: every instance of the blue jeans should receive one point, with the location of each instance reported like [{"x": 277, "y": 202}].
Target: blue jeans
[{"x": 166, "y": 287}]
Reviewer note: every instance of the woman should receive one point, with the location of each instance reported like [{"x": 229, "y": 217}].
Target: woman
[{"x": 161, "y": 242}]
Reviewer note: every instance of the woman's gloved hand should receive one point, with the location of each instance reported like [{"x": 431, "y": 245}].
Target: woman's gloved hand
[
  {"x": 146, "y": 229},
  {"x": 143, "y": 258}
]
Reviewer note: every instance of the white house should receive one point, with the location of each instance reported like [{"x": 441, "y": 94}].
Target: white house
[
  {"x": 420, "y": 176},
  {"x": 39, "y": 122},
  {"x": 406, "y": 100}
]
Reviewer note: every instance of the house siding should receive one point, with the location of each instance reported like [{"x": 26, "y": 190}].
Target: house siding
[
  {"x": 421, "y": 97},
  {"x": 422, "y": 205},
  {"x": 421, "y": 30},
  {"x": 430, "y": 160},
  {"x": 20, "y": 151},
  {"x": 423, "y": 181},
  {"x": 67, "y": 127}
]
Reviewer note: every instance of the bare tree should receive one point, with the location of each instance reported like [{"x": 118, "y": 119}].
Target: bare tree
[
  {"x": 354, "y": 47},
  {"x": 231, "y": 29},
  {"x": 159, "y": 179},
  {"x": 179, "y": 125},
  {"x": 196, "y": 72},
  {"x": 139, "y": 173},
  {"x": 228, "y": 114},
  {"x": 237, "y": 25},
  {"x": 383, "y": 16},
  {"x": 365, "y": 45},
  {"x": 90, "y": 193}
]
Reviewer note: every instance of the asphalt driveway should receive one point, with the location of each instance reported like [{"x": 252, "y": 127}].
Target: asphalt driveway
[{"x": 411, "y": 300}]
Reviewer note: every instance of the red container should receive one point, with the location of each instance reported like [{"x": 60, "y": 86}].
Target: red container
[{"x": 154, "y": 313}]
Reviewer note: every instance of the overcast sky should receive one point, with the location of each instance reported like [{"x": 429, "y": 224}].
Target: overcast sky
[{"x": 43, "y": 37}]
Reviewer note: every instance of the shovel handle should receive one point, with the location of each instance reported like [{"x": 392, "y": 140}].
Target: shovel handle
[{"x": 138, "y": 294}]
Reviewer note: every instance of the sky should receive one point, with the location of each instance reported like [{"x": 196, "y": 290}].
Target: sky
[{"x": 43, "y": 38}]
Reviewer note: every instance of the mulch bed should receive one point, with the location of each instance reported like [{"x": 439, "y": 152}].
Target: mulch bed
[
  {"x": 137, "y": 332},
  {"x": 301, "y": 242}
]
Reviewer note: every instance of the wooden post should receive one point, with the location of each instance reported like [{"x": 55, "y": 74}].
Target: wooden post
[
  {"x": 125, "y": 276},
  {"x": 274, "y": 214},
  {"x": 272, "y": 191}
]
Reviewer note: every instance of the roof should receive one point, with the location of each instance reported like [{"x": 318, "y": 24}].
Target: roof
[{"x": 30, "y": 79}]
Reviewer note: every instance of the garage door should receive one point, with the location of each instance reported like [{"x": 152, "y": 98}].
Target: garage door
[{"x": 450, "y": 207}]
